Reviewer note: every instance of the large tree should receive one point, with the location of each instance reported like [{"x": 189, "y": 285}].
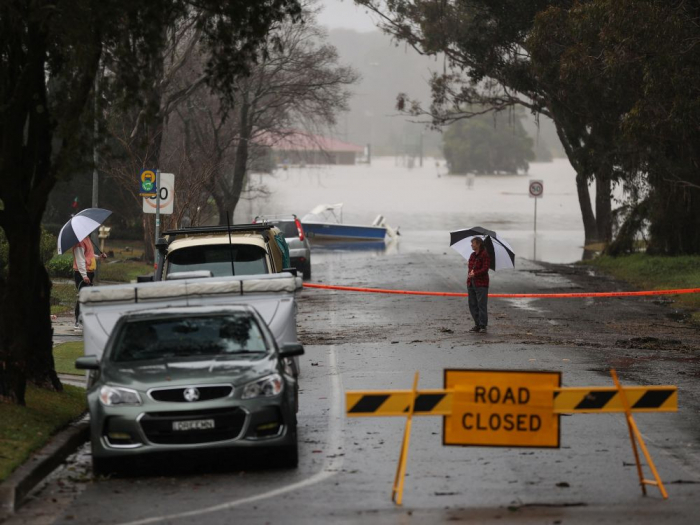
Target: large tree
[
  {"x": 630, "y": 70},
  {"x": 488, "y": 143},
  {"x": 50, "y": 52},
  {"x": 487, "y": 63}
]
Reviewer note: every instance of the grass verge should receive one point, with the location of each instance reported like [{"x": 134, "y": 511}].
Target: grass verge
[
  {"x": 126, "y": 262},
  {"x": 64, "y": 356},
  {"x": 651, "y": 272},
  {"x": 123, "y": 271},
  {"x": 63, "y": 297},
  {"x": 26, "y": 429}
]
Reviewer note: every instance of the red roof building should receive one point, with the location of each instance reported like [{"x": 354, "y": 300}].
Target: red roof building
[{"x": 298, "y": 147}]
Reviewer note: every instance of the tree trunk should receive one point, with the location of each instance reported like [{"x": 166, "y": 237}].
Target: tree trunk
[
  {"x": 590, "y": 227},
  {"x": 603, "y": 207},
  {"x": 224, "y": 217},
  {"x": 231, "y": 195},
  {"x": 674, "y": 218},
  {"x": 26, "y": 179},
  {"x": 26, "y": 335}
]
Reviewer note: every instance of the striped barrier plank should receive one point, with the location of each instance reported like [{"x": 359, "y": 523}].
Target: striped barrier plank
[
  {"x": 568, "y": 400},
  {"x": 607, "y": 399},
  {"x": 382, "y": 403}
]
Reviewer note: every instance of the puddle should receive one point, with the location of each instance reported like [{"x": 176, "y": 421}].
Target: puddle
[
  {"x": 525, "y": 303},
  {"x": 652, "y": 343},
  {"x": 679, "y": 317}
]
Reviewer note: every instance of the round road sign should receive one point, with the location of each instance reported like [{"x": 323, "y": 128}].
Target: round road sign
[{"x": 536, "y": 188}]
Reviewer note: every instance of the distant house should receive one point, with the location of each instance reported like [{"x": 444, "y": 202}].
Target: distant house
[{"x": 299, "y": 147}]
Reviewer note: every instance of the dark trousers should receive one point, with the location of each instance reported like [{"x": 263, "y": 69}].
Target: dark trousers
[
  {"x": 478, "y": 302},
  {"x": 79, "y": 283}
]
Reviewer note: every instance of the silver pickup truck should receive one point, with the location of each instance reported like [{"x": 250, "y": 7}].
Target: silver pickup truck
[{"x": 272, "y": 295}]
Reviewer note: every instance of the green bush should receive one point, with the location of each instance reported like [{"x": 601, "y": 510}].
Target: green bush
[{"x": 60, "y": 265}]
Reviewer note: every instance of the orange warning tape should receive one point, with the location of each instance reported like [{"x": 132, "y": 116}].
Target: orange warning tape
[{"x": 505, "y": 295}]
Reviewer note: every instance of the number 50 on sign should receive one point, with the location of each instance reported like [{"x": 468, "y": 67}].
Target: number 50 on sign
[
  {"x": 536, "y": 189},
  {"x": 167, "y": 196}
]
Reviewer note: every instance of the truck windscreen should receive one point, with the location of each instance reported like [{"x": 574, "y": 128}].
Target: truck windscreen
[{"x": 247, "y": 260}]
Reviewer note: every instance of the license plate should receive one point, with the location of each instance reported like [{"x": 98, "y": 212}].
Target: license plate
[{"x": 197, "y": 424}]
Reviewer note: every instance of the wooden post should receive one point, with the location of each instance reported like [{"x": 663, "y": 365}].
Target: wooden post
[
  {"x": 397, "y": 491},
  {"x": 635, "y": 436}
]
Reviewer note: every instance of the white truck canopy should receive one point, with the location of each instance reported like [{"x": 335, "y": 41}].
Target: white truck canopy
[{"x": 272, "y": 295}]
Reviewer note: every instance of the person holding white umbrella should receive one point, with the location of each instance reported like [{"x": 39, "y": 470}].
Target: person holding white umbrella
[
  {"x": 84, "y": 266},
  {"x": 478, "y": 285},
  {"x": 483, "y": 249},
  {"x": 75, "y": 235}
]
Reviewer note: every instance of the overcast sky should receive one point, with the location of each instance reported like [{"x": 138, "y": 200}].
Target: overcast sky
[{"x": 345, "y": 14}]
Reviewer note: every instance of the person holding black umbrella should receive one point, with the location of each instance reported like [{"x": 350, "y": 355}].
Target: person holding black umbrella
[{"x": 478, "y": 285}]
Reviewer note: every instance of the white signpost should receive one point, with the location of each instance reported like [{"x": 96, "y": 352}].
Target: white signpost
[{"x": 167, "y": 196}]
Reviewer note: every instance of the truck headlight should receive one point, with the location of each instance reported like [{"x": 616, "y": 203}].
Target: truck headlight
[
  {"x": 268, "y": 386},
  {"x": 112, "y": 396}
]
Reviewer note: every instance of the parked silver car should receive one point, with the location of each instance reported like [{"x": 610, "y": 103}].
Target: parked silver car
[
  {"x": 299, "y": 246},
  {"x": 191, "y": 378}
]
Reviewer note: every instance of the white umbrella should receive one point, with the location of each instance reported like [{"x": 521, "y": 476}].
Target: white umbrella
[
  {"x": 501, "y": 254},
  {"x": 80, "y": 226}
]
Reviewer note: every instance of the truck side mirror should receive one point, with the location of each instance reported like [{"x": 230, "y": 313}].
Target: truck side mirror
[
  {"x": 291, "y": 350},
  {"x": 88, "y": 362}
]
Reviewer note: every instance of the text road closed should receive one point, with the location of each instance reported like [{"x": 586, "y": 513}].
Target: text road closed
[{"x": 502, "y": 408}]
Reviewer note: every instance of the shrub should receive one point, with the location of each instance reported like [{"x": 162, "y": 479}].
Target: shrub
[{"x": 60, "y": 266}]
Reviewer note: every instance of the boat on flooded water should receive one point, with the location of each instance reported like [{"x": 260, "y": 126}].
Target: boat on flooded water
[{"x": 325, "y": 223}]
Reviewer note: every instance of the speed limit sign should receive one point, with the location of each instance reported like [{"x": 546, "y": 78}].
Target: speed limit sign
[
  {"x": 536, "y": 189},
  {"x": 167, "y": 196}
]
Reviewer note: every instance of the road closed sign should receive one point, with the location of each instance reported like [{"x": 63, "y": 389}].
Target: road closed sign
[{"x": 499, "y": 408}]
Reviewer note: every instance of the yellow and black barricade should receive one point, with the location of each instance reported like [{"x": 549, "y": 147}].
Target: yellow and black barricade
[{"x": 511, "y": 408}]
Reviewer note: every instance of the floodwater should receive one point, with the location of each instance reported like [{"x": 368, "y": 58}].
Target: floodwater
[{"x": 426, "y": 203}]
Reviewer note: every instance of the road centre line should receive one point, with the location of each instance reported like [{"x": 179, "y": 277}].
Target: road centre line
[{"x": 331, "y": 466}]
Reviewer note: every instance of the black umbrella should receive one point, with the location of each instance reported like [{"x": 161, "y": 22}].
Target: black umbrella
[
  {"x": 80, "y": 226},
  {"x": 501, "y": 254}
]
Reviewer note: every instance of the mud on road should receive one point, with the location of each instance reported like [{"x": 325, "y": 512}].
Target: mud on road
[
  {"x": 649, "y": 340},
  {"x": 642, "y": 323}
]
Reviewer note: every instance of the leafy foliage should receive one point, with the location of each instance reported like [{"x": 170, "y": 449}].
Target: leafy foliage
[
  {"x": 618, "y": 77},
  {"x": 630, "y": 70},
  {"x": 60, "y": 266},
  {"x": 487, "y": 67},
  {"x": 488, "y": 144}
]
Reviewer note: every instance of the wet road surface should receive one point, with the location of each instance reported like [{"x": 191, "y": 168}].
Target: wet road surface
[{"x": 360, "y": 341}]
